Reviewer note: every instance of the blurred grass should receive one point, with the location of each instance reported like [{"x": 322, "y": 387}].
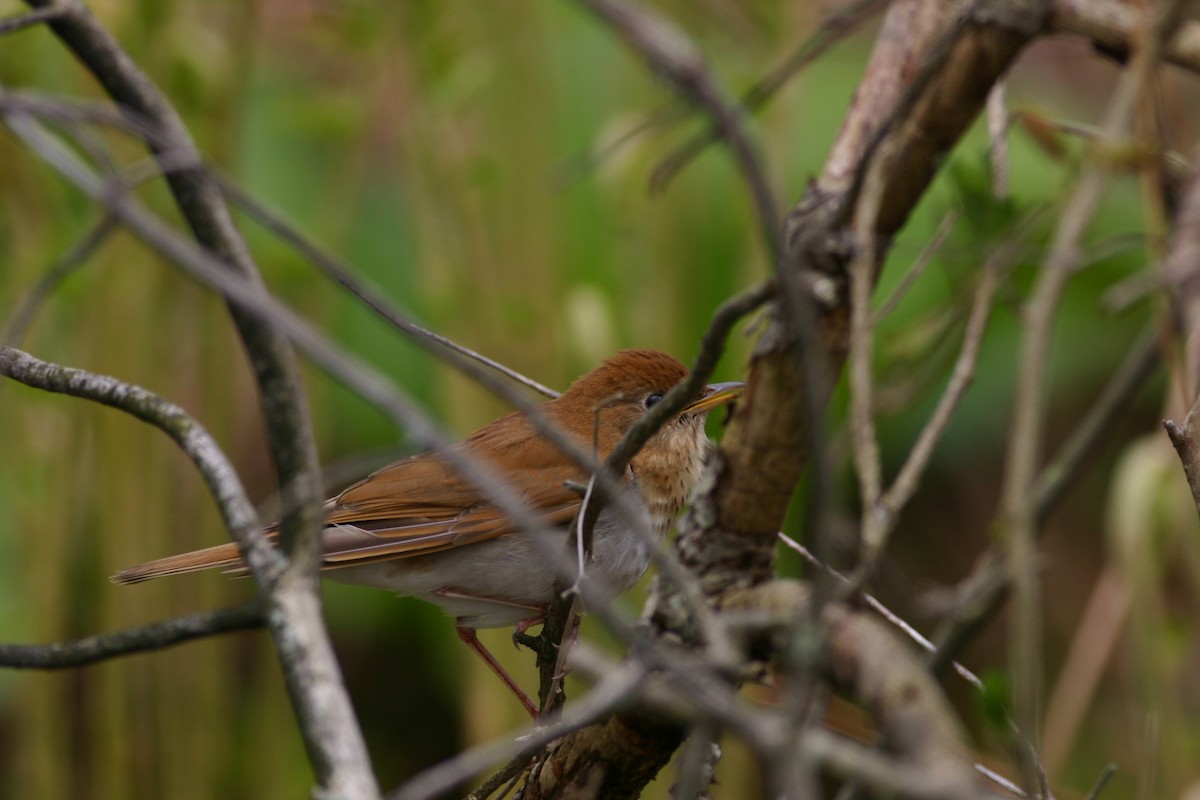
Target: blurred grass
[{"x": 431, "y": 144}]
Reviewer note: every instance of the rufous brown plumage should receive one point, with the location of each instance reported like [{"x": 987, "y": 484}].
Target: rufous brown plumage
[{"x": 417, "y": 528}]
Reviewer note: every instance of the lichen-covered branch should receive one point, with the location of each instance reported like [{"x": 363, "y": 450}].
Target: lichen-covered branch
[{"x": 156, "y": 636}]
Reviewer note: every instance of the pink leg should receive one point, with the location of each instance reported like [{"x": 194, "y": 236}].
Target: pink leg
[{"x": 472, "y": 641}]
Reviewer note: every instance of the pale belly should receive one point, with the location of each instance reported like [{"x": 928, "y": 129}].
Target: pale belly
[{"x": 506, "y": 580}]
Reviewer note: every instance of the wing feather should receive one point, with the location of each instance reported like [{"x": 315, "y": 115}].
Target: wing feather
[{"x": 421, "y": 505}]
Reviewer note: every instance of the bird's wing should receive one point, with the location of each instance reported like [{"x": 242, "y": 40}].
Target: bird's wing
[{"x": 421, "y": 505}]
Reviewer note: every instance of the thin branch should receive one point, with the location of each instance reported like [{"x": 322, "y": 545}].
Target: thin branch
[
  {"x": 169, "y": 161},
  {"x": 331, "y": 734},
  {"x": 214, "y": 467},
  {"x": 550, "y": 643},
  {"x": 333, "y": 359},
  {"x": 1018, "y": 511},
  {"x": 907, "y": 479},
  {"x": 671, "y": 55},
  {"x": 882, "y": 507},
  {"x": 613, "y": 690},
  {"x": 879, "y": 608},
  {"x": 868, "y": 465},
  {"x": 428, "y": 340},
  {"x": 1101, "y": 782},
  {"x": 833, "y": 29},
  {"x": 159, "y": 635},
  {"x": 697, "y": 763},
  {"x": 1076, "y": 454},
  {"x": 30, "y": 18},
  {"x": 923, "y": 260},
  {"x": 62, "y": 268},
  {"x": 340, "y": 364},
  {"x": 1000, "y": 780}
]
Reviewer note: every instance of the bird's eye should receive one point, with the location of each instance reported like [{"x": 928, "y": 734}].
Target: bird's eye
[{"x": 652, "y": 399}]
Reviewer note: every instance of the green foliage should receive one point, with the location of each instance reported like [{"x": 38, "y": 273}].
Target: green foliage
[{"x": 435, "y": 145}]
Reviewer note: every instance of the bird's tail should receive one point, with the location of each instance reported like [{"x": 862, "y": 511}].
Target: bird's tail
[{"x": 224, "y": 556}]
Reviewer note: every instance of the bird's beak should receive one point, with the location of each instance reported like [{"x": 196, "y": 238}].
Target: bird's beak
[{"x": 715, "y": 394}]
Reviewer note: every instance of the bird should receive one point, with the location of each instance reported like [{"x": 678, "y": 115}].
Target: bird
[{"x": 417, "y": 528}]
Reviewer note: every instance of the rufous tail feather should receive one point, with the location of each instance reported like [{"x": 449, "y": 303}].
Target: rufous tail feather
[{"x": 221, "y": 556}]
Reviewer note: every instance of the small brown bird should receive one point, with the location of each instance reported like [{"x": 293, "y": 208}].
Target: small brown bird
[{"x": 416, "y": 528}]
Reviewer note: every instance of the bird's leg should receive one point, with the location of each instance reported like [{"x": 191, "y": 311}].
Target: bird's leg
[{"x": 472, "y": 641}]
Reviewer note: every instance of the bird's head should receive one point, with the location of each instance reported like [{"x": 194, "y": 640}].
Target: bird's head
[{"x": 605, "y": 403}]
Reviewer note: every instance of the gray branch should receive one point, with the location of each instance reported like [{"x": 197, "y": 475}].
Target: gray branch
[{"x": 156, "y": 636}]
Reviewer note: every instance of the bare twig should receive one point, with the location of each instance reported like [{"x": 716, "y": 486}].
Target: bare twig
[
  {"x": 879, "y": 608},
  {"x": 1076, "y": 453},
  {"x": 984, "y": 591},
  {"x": 672, "y": 56},
  {"x": 836, "y": 27},
  {"x": 349, "y": 369},
  {"x": 905, "y": 483},
  {"x": 1101, "y": 782},
  {"x": 328, "y": 725},
  {"x": 218, "y": 473},
  {"x": 1000, "y": 780},
  {"x": 923, "y": 260},
  {"x": 94, "y": 649},
  {"x": 868, "y": 467},
  {"x": 882, "y": 508},
  {"x": 616, "y": 688},
  {"x": 62, "y": 268},
  {"x": 697, "y": 762},
  {"x": 38, "y": 16},
  {"x": 1019, "y": 512},
  {"x": 168, "y": 161},
  {"x": 432, "y": 342}
]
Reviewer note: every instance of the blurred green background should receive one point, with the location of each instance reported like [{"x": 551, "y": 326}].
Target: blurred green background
[{"x": 441, "y": 147}]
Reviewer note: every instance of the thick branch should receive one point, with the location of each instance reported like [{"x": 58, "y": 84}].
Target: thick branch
[
  {"x": 728, "y": 536},
  {"x": 284, "y": 409},
  {"x": 328, "y": 724}
]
